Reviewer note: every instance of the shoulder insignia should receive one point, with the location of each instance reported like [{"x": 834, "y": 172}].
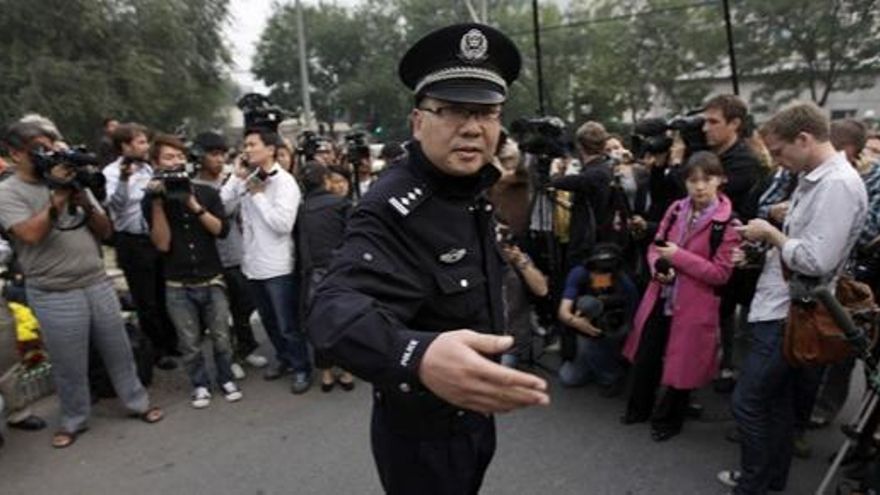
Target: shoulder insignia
[{"x": 405, "y": 203}]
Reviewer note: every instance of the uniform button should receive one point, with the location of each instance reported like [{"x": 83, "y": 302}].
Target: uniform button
[
  {"x": 378, "y": 394},
  {"x": 464, "y": 282},
  {"x": 192, "y": 246},
  {"x": 405, "y": 388},
  {"x": 459, "y": 413},
  {"x": 470, "y": 209},
  {"x": 368, "y": 257},
  {"x": 488, "y": 207}
]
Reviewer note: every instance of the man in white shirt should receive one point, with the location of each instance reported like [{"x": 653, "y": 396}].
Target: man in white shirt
[
  {"x": 827, "y": 210},
  {"x": 269, "y": 198},
  {"x": 127, "y": 178}
]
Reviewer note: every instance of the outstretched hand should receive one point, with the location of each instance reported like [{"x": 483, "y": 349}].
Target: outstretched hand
[{"x": 455, "y": 368}]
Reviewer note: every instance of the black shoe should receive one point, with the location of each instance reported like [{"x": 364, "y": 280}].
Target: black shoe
[
  {"x": 661, "y": 434},
  {"x": 274, "y": 372},
  {"x": 347, "y": 386},
  {"x": 166, "y": 363},
  {"x": 326, "y": 387},
  {"x": 302, "y": 382},
  {"x": 30, "y": 423},
  {"x": 632, "y": 417},
  {"x": 694, "y": 410},
  {"x": 732, "y": 435}
]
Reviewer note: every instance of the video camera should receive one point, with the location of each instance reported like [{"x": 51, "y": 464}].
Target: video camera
[
  {"x": 542, "y": 136},
  {"x": 307, "y": 145},
  {"x": 177, "y": 184},
  {"x": 259, "y": 112},
  {"x": 85, "y": 164},
  {"x": 356, "y": 147},
  {"x": 651, "y": 135}
]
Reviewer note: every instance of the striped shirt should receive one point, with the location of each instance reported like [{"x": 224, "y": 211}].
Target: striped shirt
[{"x": 872, "y": 224}]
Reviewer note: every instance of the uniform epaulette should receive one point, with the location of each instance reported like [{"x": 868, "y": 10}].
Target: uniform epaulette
[{"x": 400, "y": 191}]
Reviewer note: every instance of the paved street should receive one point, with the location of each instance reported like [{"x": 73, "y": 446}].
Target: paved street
[{"x": 276, "y": 443}]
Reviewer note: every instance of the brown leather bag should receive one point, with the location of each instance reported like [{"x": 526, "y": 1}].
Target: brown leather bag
[{"x": 812, "y": 337}]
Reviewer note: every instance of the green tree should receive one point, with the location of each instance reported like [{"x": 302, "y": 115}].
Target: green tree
[
  {"x": 160, "y": 62},
  {"x": 808, "y": 46}
]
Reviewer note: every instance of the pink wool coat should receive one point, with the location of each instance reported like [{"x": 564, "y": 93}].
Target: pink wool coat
[{"x": 691, "y": 358}]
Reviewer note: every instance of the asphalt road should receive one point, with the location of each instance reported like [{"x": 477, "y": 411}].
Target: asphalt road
[{"x": 275, "y": 443}]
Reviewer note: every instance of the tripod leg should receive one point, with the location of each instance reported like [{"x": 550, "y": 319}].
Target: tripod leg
[{"x": 864, "y": 415}]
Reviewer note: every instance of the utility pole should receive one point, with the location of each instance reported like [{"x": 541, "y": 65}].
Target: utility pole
[
  {"x": 303, "y": 67},
  {"x": 540, "y": 74},
  {"x": 734, "y": 78}
]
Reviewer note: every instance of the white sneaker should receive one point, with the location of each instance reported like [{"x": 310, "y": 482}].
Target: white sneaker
[
  {"x": 729, "y": 478},
  {"x": 231, "y": 392},
  {"x": 256, "y": 360},
  {"x": 237, "y": 371},
  {"x": 201, "y": 398}
]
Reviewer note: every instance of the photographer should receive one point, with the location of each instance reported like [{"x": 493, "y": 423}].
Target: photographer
[
  {"x": 67, "y": 287},
  {"x": 127, "y": 179},
  {"x": 598, "y": 302},
  {"x": 814, "y": 242},
  {"x": 590, "y": 219},
  {"x": 269, "y": 199},
  {"x": 184, "y": 231}
]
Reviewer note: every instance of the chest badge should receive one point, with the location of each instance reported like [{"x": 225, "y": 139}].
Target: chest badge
[{"x": 453, "y": 256}]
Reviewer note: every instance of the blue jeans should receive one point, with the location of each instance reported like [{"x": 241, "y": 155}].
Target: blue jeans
[
  {"x": 277, "y": 303},
  {"x": 764, "y": 412},
  {"x": 194, "y": 310},
  {"x": 596, "y": 360}
]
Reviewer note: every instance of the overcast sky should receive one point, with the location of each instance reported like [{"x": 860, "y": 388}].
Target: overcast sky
[{"x": 246, "y": 24}]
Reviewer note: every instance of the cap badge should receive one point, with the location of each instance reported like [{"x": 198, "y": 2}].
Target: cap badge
[
  {"x": 453, "y": 256},
  {"x": 474, "y": 46}
]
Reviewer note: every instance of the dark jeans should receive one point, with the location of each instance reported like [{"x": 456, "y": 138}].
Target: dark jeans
[
  {"x": 764, "y": 412},
  {"x": 450, "y": 465},
  {"x": 241, "y": 305},
  {"x": 141, "y": 264},
  {"x": 277, "y": 302},
  {"x": 195, "y": 310},
  {"x": 647, "y": 372}
]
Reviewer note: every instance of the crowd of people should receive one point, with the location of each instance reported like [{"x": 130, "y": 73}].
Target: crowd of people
[{"x": 647, "y": 265}]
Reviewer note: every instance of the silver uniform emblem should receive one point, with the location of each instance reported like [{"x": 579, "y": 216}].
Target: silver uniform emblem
[
  {"x": 474, "y": 46},
  {"x": 453, "y": 256}
]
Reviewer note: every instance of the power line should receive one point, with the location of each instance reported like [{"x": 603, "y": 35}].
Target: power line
[{"x": 642, "y": 13}]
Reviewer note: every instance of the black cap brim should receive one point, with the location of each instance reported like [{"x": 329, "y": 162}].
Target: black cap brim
[{"x": 466, "y": 91}]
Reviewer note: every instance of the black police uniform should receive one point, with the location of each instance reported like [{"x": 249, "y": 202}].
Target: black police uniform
[{"x": 420, "y": 258}]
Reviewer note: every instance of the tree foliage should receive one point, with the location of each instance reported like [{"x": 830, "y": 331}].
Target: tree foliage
[{"x": 160, "y": 62}]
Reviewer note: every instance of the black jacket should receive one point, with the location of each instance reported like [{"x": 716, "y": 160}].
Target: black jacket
[
  {"x": 743, "y": 171},
  {"x": 319, "y": 228},
  {"x": 589, "y": 209},
  {"x": 419, "y": 258}
]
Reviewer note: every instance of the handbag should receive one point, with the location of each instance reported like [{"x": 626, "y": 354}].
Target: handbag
[{"x": 812, "y": 337}]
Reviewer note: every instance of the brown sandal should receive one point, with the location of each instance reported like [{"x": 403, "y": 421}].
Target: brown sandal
[
  {"x": 63, "y": 439},
  {"x": 151, "y": 415}
]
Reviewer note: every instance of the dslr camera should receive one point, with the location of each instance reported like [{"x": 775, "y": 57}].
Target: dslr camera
[
  {"x": 307, "y": 144},
  {"x": 542, "y": 136},
  {"x": 176, "y": 184}
]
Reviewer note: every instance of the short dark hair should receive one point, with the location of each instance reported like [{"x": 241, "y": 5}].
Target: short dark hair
[
  {"x": 125, "y": 133},
  {"x": 18, "y": 136},
  {"x": 313, "y": 176},
  {"x": 848, "y": 131},
  {"x": 268, "y": 137},
  {"x": 703, "y": 161},
  {"x": 591, "y": 138},
  {"x": 731, "y": 107},
  {"x": 163, "y": 140},
  {"x": 797, "y": 118}
]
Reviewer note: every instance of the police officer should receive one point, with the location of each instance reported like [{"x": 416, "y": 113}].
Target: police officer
[{"x": 412, "y": 302}]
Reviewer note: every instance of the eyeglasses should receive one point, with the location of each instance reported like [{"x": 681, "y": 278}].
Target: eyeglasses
[{"x": 459, "y": 115}]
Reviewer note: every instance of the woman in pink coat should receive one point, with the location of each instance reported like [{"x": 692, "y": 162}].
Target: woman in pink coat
[{"x": 676, "y": 326}]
